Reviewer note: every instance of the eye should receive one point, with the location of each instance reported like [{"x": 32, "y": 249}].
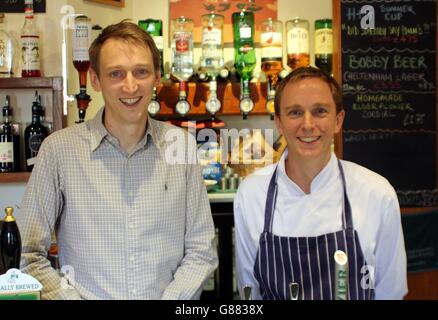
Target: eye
[
  {"x": 141, "y": 73},
  {"x": 320, "y": 111},
  {"x": 116, "y": 74},
  {"x": 295, "y": 113}
]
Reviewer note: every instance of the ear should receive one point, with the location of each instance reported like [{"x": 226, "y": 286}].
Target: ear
[
  {"x": 339, "y": 121},
  {"x": 157, "y": 78},
  {"x": 278, "y": 124},
  {"x": 94, "y": 79}
]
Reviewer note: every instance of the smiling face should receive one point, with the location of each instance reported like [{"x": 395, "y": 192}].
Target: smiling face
[
  {"x": 126, "y": 79},
  {"x": 308, "y": 120}
]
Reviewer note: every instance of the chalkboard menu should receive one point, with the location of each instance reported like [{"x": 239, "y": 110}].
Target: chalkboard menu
[
  {"x": 17, "y": 6},
  {"x": 389, "y": 85}
]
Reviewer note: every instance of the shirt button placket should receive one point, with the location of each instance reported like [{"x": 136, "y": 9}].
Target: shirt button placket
[{"x": 131, "y": 236}]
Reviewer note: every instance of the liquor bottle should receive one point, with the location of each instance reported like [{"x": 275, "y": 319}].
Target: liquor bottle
[
  {"x": 10, "y": 242},
  {"x": 155, "y": 29},
  {"x": 244, "y": 56},
  {"x": 324, "y": 45},
  {"x": 81, "y": 61},
  {"x": 182, "y": 59},
  {"x": 34, "y": 134},
  {"x": 272, "y": 57},
  {"x": 81, "y": 44},
  {"x": 6, "y": 51},
  {"x": 9, "y": 142},
  {"x": 30, "y": 44},
  {"x": 182, "y": 48},
  {"x": 212, "y": 60},
  {"x": 298, "y": 52}
]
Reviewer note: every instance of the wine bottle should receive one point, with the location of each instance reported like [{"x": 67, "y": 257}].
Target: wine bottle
[
  {"x": 10, "y": 242},
  {"x": 9, "y": 142},
  {"x": 34, "y": 134}
]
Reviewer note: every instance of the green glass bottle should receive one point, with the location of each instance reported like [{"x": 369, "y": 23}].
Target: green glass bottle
[
  {"x": 244, "y": 56},
  {"x": 155, "y": 29},
  {"x": 244, "y": 52},
  {"x": 324, "y": 45}
]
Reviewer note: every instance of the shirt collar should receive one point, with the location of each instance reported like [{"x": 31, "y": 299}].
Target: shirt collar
[
  {"x": 319, "y": 183},
  {"x": 99, "y": 132}
]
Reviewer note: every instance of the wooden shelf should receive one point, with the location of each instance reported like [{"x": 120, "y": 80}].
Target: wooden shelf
[
  {"x": 14, "y": 177},
  {"x": 227, "y": 93},
  {"x": 52, "y": 83}
]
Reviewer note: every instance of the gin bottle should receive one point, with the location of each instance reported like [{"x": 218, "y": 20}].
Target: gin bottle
[
  {"x": 244, "y": 56},
  {"x": 212, "y": 60}
]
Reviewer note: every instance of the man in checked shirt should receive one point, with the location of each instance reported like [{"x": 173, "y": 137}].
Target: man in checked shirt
[{"x": 129, "y": 224}]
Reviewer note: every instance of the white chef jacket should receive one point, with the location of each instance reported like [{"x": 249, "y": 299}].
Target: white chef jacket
[{"x": 375, "y": 213}]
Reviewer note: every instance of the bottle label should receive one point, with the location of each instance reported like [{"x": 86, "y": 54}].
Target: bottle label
[
  {"x": 30, "y": 52},
  {"x": 6, "y": 152},
  {"x": 212, "y": 37},
  {"x": 35, "y": 142},
  {"x": 182, "y": 41},
  {"x": 158, "y": 42},
  {"x": 271, "y": 45},
  {"x": 5, "y": 57},
  {"x": 324, "y": 41},
  {"x": 298, "y": 40},
  {"x": 81, "y": 43},
  {"x": 245, "y": 32}
]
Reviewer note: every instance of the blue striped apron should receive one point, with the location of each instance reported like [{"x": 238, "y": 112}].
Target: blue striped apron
[{"x": 308, "y": 261}]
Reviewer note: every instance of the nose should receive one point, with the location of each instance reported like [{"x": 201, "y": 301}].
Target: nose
[
  {"x": 308, "y": 121},
  {"x": 130, "y": 84}
]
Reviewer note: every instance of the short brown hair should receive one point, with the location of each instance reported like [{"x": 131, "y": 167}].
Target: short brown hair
[
  {"x": 126, "y": 31},
  {"x": 309, "y": 72}
]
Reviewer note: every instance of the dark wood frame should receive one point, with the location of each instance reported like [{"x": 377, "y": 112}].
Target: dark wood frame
[{"x": 115, "y": 3}]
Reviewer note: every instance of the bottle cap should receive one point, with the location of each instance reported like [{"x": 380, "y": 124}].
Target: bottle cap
[{"x": 9, "y": 214}]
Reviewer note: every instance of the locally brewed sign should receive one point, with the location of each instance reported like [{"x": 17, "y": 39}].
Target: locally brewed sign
[
  {"x": 389, "y": 85},
  {"x": 17, "y": 6}
]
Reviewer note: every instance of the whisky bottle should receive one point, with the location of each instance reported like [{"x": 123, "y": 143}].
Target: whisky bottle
[
  {"x": 10, "y": 242},
  {"x": 30, "y": 44},
  {"x": 34, "y": 134},
  {"x": 6, "y": 51},
  {"x": 9, "y": 142},
  {"x": 324, "y": 45},
  {"x": 272, "y": 58},
  {"x": 298, "y": 52}
]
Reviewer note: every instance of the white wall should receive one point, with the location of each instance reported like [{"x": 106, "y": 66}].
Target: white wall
[{"x": 51, "y": 38}]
